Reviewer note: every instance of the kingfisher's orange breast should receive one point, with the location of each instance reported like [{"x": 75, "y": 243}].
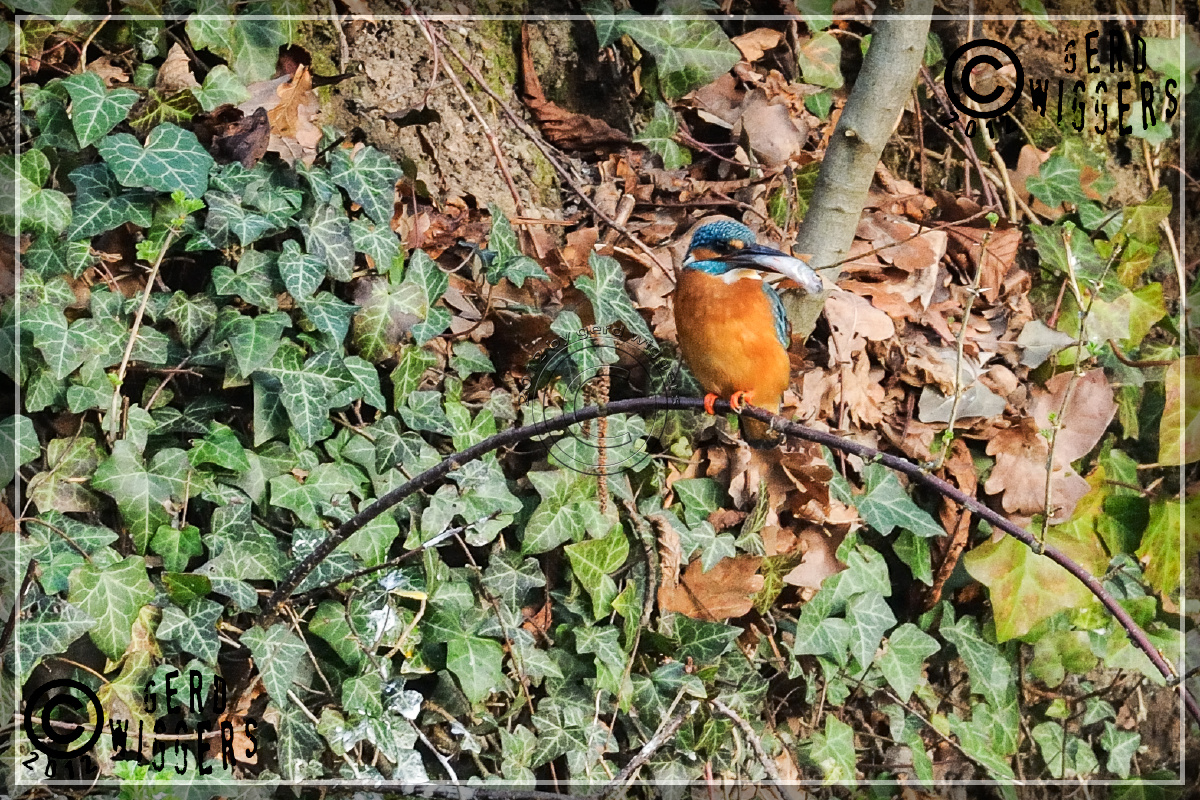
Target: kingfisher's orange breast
[{"x": 727, "y": 335}]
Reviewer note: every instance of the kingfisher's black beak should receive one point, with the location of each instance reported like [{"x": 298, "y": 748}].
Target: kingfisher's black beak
[{"x": 761, "y": 257}]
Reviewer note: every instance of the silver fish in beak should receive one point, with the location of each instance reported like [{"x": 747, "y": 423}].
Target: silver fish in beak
[{"x": 768, "y": 259}]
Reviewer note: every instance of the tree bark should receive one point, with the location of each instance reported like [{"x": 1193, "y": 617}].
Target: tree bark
[{"x": 868, "y": 118}]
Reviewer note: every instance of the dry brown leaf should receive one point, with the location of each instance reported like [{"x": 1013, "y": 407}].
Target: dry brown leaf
[
  {"x": 8, "y": 523},
  {"x": 820, "y": 558},
  {"x": 175, "y": 74},
  {"x": 563, "y": 128},
  {"x": 1088, "y": 412},
  {"x": 852, "y": 321},
  {"x": 862, "y": 391},
  {"x": 1001, "y": 253},
  {"x": 291, "y": 107},
  {"x": 538, "y": 620},
  {"x": 1020, "y": 474},
  {"x": 757, "y": 42},
  {"x": 109, "y": 72},
  {"x": 724, "y": 591}
]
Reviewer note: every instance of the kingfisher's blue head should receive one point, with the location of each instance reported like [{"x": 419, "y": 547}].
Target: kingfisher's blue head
[{"x": 728, "y": 249}]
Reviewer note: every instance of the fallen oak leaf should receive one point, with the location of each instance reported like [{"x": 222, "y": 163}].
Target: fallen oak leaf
[{"x": 756, "y": 43}]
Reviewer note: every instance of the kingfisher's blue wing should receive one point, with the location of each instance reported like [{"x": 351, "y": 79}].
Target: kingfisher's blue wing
[{"x": 783, "y": 327}]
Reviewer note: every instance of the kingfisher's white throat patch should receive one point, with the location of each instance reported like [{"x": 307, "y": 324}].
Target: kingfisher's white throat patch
[{"x": 735, "y": 275}]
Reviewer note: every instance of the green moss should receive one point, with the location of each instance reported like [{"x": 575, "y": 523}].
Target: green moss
[
  {"x": 543, "y": 178},
  {"x": 500, "y": 70}
]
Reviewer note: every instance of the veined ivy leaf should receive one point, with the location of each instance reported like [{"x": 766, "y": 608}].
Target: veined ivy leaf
[
  {"x": 142, "y": 496},
  {"x": 606, "y": 291},
  {"x": 62, "y": 486},
  {"x": 278, "y": 654},
  {"x": 112, "y": 595},
  {"x": 329, "y": 314},
  {"x": 990, "y": 672},
  {"x": 227, "y": 216},
  {"x": 329, "y": 622},
  {"x": 476, "y": 663},
  {"x": 255, "y": 46},
  {"x": 688, "y": 52},
  {"x": 176, "y": 546},
  {"x": 193, "y": 316},
  {"x": 327, "y": 237},
  {"x": 172, "y": 159},
  {"x": 568, "y": 503},
  {"x": 1066, "y": 756},
  {"x": 424, "y": 412},
  {"x": 1179, "y": 428},
  {"x": 52, "y": 630},
  {"x": 18, "y": 446},
  {"x": 302, "y": 274},
  {"x": 700, "y": 640},
  {"x": 820, "y": 60},
  {"x": 503, "y": 258},
  {"x": 95, "y": 110},
  {"x": 306, "y": 388},
  {"x": 63, "y": 349},
  {"x": 369, "y": 177},
  {"x": 905, "y": 653},
  {"x": 1121, "y": 746},
  {"x": 869, "y": 617},
  {"x": 659, "y": 137},
  {"x": 377, "y": 241},
  {"x": 510, "y": 579},
  {"x": 221, "y": 85},
  {"x": 1057, "y": 182},
  {"x": 220, "y": 447},
  {"x": 193, "y": 629},
  {"x": 833, "y": 751},
  {"x": 156, "y": 108},
  {"x": 254, "y": 341},
  {"x": 593, "y": 561},
  {"x": 887, "y": 506}
]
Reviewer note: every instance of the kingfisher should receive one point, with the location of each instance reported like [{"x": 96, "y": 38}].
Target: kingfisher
[{"x": 731, "y": 325}]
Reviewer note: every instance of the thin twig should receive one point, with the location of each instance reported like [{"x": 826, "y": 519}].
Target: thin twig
[
  {"x": 755, "y": 743},
  {"x": 137, "y": 324},
  {"x": 648, "y": 749},
  {"x": 962, "y": 339},
  {"x": 88, "y": 41},
  {"x": 1084, "y": 311},
  {"x": 1129, "y": 362},
  {"x": 19, "y": 600}
]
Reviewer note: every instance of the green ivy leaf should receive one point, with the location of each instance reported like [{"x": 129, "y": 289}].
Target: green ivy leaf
[
  {"x": 476, "y": 663},
  {"x": 327, "y": 237},
  {"x": 610, "y": 302},
  {"x": 221, "y": 448},
  {"x": 193, "y": 628},
  {"x": 593, "y": 561},
  {"x": 173, "y": 159},
  {"x": 1121, "y": 747},
  {"x": 112, "y": 595},
  {"x": 688, "y": 52},
  {"x": 833, "y": 751},
  {"x": 503, "y": 258},
  {"x": 278, "y": 654},
  {"x": 329, "y": 622},
  {"x": 62, "y": 486},
  {"x": 905, "y": 654},
  {"x": 142, "y": 496},
  {"x": 157, "y": 108},
  {"x": 302, "y": 274},
  {"x": 1066, "y": 756},
  {"x": 659, "y": 137},
  {"x": 255, "y": 340},
  {"x": 329, "y": 314},
  {"x": 193, "y": 316},
  {"x": 991, "y": 673},
  {"x": 369, "y": 177},
  {"x": 1057, "y": 181},
  {"x": 887, "y": 506},
  {"x": 18, "y": 445},
  {"x": 1179, "y": 427},
  {"x": 51, "y": 630},
  {"x": 378, "y": 242},
  {"x": 96, "y": 110},
  {"x": 176, "y": 546},
  {"x": 869, "y": 617},
  {"x": 221, "y": 86}
]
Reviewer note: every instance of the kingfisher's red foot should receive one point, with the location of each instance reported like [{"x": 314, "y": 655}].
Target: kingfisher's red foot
[
  {"x": 709, "y": 399},
  {"x": 738, "y": 400}
]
